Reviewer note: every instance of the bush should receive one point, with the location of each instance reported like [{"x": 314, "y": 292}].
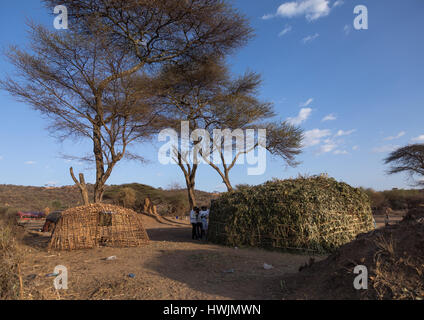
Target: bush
[
  {"x": 9, "y": 256},
  {"x": 310, "y": 214},
  {"x": 127, "y": 198},
  {"x": 396, "y": 199}
]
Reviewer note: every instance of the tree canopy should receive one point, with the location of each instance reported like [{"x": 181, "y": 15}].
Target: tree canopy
[{"x": 409, "y": 159}]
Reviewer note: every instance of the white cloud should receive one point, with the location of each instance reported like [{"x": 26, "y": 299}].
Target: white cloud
[
  {"x": 30, "y": 163},
  {"x": 1, "y": 157},
  {"x": 220, "y": 187},
  {"x": 326, "y": 148},
  {"x": 307, "y": 103},
  {"x": 268, "y": 16},
  {"x": 330, "y": 117},
  {"x": 314, "y": 137},
  {"x": 347, "y": 29},
  {"x": 340, "y": 152},
  {"x": 355, "y": 148},
  {"x": 338, "y": 3},
  {"x": 286, "y": 30},
  {"x": 327, "y": 141},
  {"x": 419, "y": 138},
  {"x": 342, "y": 133},
  {"x": 399, "y": 135},
  {"x": 310, "y": 38},
  {"x": 304, "y": 114},
  {"x": 385, "y": 149},
  {"x": 311, "y": 9}
]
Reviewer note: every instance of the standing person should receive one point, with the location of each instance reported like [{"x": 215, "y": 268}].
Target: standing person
[
  {"x": 204, "y": 214},
  {"x": 387, "y": 219},
  {"x": 193, "y": 221},
  {"x": 198, "y": 224}
]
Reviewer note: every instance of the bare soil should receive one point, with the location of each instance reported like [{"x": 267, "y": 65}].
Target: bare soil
[{"x": 171, "y": 266}]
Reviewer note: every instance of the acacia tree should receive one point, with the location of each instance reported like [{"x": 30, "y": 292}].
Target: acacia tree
[
  {"x": 87, "y": 90},
  {"x": 92, "y": 67},
  {"x": 158, "y": 31},
  {"x": 236, "y": 112},
  {"x": 187, "y": 91},
  {"x": 409, "y": 159},
  {"x": 204, "y": 94}
]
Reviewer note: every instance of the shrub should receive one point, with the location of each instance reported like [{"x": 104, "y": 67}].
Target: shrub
[
  {"x": 311, "y": 214},
  {"x": 9, "y": 257},
  {"x": 127, "y": 198}
]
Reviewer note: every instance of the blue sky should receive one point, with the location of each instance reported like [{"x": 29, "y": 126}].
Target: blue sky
[{"x": 357, "y": 93}]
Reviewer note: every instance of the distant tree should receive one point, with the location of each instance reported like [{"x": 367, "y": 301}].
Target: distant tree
[
  {"x": 128, "y": 197},
  {"x": 378, "y": 199},
  {"x": 408, "y": 159},
  {"x": 174, "y": 186},
  {"x": 56, "y": 204}
]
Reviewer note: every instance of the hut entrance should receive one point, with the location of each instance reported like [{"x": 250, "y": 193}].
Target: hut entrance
[{"x": 105, "y": 219}]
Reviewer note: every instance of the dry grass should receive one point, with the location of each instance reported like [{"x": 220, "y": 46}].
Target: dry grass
[
  {"x": 396, "y": 277},
  {"x": 10, "y": 259}
]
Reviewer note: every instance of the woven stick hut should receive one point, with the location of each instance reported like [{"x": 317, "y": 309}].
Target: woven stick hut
[
  {"x": 98, "y": 225},
  {"x": 315, "y": 214}
]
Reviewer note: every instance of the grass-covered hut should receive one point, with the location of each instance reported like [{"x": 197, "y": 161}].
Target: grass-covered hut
[{"x": 316, "y": 214}]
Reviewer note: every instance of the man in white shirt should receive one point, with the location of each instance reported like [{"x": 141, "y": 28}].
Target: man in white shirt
[
  {"x": 204, "y": 216},
  {"x": 193, "y": 221}
]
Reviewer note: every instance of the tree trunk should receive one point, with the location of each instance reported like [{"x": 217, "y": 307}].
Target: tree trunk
[
  {"x": 227, "y": 182},
  {"x": 100, "y": 170},
  {"x": 190, "y": 178},
  {"x": 99, "y": 190},
  {"x": 191, "y": 195},
  {"x": 81, "y": 185}
]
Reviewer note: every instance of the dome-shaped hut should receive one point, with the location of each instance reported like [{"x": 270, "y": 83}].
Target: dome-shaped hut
[
  {"x": 98, "y": 225},
  {"x": 312, "y": 214}
]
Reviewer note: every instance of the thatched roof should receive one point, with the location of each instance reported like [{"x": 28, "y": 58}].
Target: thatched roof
[{"x": 98, "y": 225}]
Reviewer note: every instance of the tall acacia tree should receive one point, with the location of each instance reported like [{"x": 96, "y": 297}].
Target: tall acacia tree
[
  {"x": 87, "y": 90},
  {"x": 408, "y": 159},
  {"x": 187, "y": 91},
  {"x": 93, "y": 65},
  {"x": 157, "y": 31},
  {"x": 237, "y": 110},
  {"x": 204, "y": 94}
]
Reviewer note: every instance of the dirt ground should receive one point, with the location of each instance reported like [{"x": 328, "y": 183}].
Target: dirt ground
[
  {"x": 171, "y": 266},
  {"x": 394, "y": 218}
]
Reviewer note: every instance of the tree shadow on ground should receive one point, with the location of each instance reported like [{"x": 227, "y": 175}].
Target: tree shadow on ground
[
  {"x": 225, "y": 272},
  {"x": 36, "y": 240},
  {"x": 171, "y": 234}
]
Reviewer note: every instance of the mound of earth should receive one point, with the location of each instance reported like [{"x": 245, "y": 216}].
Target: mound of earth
[{"x": 394, "y": 257}]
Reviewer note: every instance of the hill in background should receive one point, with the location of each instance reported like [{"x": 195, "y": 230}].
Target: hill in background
[{"x": 169, "y": 202}]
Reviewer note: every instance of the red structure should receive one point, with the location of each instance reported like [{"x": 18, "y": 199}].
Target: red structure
[{"x": 30, "y": 215}]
